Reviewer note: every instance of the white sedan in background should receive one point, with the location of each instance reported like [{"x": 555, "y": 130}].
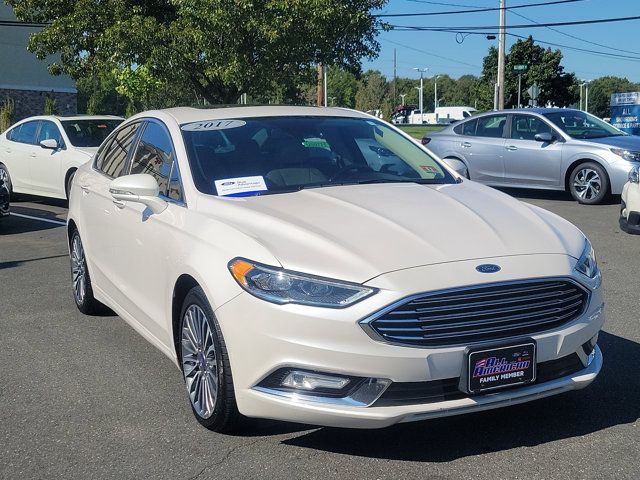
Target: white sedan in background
[
  {"x": 39, "y": 155},
  {"x": 315, "y": 265},
  {"x": 630, "y": 208}
]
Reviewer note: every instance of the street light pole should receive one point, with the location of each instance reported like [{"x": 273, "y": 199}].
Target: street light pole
[
  {"x": 501, "y": 54},
  {"x": 421, "y": 70},
  {"x": 402, "y": 95},
  {"x": 586, "y": 97},
  {"x": 582, "y": 107}
]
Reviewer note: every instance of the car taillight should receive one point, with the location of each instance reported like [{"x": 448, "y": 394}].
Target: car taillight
[{"x": 425, "y": 140}]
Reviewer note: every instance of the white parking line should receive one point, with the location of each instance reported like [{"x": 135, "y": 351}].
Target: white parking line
[{"x": 55, "y": 222}]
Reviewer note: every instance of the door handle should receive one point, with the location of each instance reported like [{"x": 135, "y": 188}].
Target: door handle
[
  {"x": 118, "y": 203},
  {"x": 85, "y": 189},
  {"x": 33, "y": 155},
  {"x": 511, "y": 148},
  {"x": 466, "y": 144}
]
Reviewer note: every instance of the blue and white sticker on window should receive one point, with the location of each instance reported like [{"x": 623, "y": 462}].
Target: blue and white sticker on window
[
  {"x": 240, "y": 186},
  {"x": 209, "y": 125}
]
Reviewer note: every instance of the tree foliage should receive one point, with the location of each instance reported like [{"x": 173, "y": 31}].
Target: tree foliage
[
  {"x": 219, "y": 48},
  {"x": 600, "y": 91},
  {"x": 557, "y": 87}
]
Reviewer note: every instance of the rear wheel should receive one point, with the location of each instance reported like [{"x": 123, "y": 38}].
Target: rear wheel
[
  {"x": 205, "y": 365},
  {"x": 82, "y": 290},
  {"x": 589, "y": 183}
]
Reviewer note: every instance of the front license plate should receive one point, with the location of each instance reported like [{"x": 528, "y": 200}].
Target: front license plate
[{"x": 500, "y": 367}]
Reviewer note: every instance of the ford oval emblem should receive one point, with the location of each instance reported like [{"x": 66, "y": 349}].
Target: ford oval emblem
[{"x": 488, "y": 268}]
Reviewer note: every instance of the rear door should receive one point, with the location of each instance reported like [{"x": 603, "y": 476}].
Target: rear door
[
  {"x": 527, "y": 161},
  {"x": 17, "y": 155},
  {"x": 483, "y": 147}
]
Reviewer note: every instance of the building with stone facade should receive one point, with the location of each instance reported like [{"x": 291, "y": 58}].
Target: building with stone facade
[{"x": 24, "y": 78}]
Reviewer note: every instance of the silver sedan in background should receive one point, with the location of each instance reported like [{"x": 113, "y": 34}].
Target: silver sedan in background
[{"x": 546, "y": 148}]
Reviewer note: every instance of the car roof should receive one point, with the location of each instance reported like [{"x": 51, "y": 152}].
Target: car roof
[
  {"x": 73, "y": 117},
  {"x": 538, "y": 110},
  {"x": 189, "y": 114}
]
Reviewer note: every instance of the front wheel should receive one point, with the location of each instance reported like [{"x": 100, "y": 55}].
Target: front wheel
[
  {"x": 82, "y": 290},
  {"x": 205, "y": 365},
  {"x": 4, "y": 176},
  {"x": 589, "y": 183}
]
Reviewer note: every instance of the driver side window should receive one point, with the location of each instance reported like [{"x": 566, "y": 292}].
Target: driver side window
[{"x": 526, "y": 127}]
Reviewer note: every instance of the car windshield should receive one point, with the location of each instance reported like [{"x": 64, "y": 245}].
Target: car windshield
[
  {"x": 258, "y": 156},
  {"x": 581, "y": 125},
  {"x": 88, "y": 133}
]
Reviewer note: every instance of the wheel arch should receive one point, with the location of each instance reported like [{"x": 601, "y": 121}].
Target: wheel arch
[
  {"x": 183, "y": 285},
  {"x": 575, "y": 163},
  {"x": 71, "y": 227}
]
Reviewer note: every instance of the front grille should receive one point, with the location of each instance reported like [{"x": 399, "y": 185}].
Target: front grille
[
  {"x": 416, "y": 393},
  {"x": 480, "y": 313}
]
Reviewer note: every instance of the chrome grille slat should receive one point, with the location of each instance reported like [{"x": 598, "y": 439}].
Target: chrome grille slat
[
  {"x": 474, "y": 323},
  {"x": 481, "y": 313},
  {"x": 485, "y": 303}
]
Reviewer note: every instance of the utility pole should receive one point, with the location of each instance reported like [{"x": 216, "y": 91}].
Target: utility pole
[
  {"x": 501, "y": 54},
  {"x": 395, "y": 78},
  {"x": 519, "y": 88},
  {"x": 435, "y": 92},
  {"x": 320, "y": 96},
  {"x": 421, "y": 100},
  {"x": 324, "y": 77},
  {"x": 586, "y": 97}
]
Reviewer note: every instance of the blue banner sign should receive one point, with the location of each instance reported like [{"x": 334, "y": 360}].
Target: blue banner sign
[{"x": 625, "y": 112}]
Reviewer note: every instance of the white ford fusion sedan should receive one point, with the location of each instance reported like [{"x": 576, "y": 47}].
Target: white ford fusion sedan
[{"x": 319, "y": 266}]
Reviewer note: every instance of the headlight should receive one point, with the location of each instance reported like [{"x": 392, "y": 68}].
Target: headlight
[
  {"x": 588, "y": 266},
  {"x": 627, "y": 154},
  {"x": 634, "y": 175},
  {"x": 281, "y": 286}
]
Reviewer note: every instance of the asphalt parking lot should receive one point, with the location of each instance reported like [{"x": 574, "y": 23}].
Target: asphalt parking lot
[{"x": 86, "y": 397}]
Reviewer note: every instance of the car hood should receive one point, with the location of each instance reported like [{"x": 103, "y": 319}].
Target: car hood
[
  {"x": 358, "y": 232},
  {"x": 88, "y": 151},
  {"x": 626, "y": 142}
]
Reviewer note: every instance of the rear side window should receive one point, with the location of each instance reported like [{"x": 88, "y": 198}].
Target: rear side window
[
  {"x": 466, "y": 128},
  {"x": 155, "y": 156},
  {"x": 113, "y": 160},
  {"x": 25, "y": 133},
  {"x": 491, "y": 126}
]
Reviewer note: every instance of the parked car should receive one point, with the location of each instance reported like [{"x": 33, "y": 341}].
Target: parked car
[
  {"x": 291, "y": 273},
  {"x": 40, "y": 155},
  {"x": 554, "y": 149},
  {"x": 630, "y": 207},
  {"x": 4, "y": 199}
]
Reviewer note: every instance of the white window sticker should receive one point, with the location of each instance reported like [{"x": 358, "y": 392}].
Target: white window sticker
[
  {"x": 212, "y": 125},
  {"x": 237, "y": 187}
]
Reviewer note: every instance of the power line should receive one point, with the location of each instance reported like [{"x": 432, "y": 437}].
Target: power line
[
  {"x": 575, "y": 37},
  {"x": 432, "y": 54},
  {"x": 16, "y": 23},
  {"x": 510, "y": 27},
  {"x": 476, "y": 10}
]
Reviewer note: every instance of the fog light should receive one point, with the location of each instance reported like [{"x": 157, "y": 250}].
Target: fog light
[{"x": 301, "y": 380}]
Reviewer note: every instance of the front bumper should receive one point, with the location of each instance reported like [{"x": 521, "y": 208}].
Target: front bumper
[{"x": 262, "y": 338}]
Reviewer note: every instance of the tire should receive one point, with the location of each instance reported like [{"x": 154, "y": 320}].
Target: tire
[
  {"x": 4, "y": 174},
  {"x": 202, "y": 349},
  {"x": 67, "y": 187},
  {"x": 82, "y": 290},
  {"x": 589, "y": 183}
]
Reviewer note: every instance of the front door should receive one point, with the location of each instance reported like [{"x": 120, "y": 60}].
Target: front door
[
  {"x": 45, "y": 165},
  {"x": 527, "y": 161}
]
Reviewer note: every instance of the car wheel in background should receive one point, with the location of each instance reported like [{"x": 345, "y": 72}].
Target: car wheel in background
[
  {"x": 205, "y": 365},
  {"x": 589, "y": 183},
  {"x": 82, "y": 291},
  {"x": 67, "y": 189},
  {"x": 4, "y": 175}
]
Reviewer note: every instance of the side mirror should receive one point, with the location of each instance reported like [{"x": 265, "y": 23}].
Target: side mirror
[
  {"x": 50, "y": 144},
  {"x": 138, "y": 188},
  {"x": 545, "y": 137}
]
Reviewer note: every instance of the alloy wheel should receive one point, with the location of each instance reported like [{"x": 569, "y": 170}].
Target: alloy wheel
[
  {"x": 4, "y": 176},
  {"x": 199, "y": 361},
  {"x": 78, "y": 270},
  {"x": 587, "y": 183}
]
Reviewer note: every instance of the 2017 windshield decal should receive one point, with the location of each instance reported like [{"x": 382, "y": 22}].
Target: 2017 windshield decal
[{"x": 212, "y": 125}]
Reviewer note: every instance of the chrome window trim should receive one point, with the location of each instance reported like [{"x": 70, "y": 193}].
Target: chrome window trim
[
  {"x": 110, "y": 140},
  {"x": 365, "y": 323}
]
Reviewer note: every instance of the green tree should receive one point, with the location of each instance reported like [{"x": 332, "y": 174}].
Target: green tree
[
  {"x": 600, "y": 91},
  {"x": 544, "y": 69},
  {"x": 50, "y": 105},
  {"x": 342, "y": 86},
  {"x": 220, "y": 48},
  {"x": 373, "y": 91}
]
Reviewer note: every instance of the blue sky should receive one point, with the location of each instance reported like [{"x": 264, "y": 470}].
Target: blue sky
[{"x": 441, "y": 53}]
